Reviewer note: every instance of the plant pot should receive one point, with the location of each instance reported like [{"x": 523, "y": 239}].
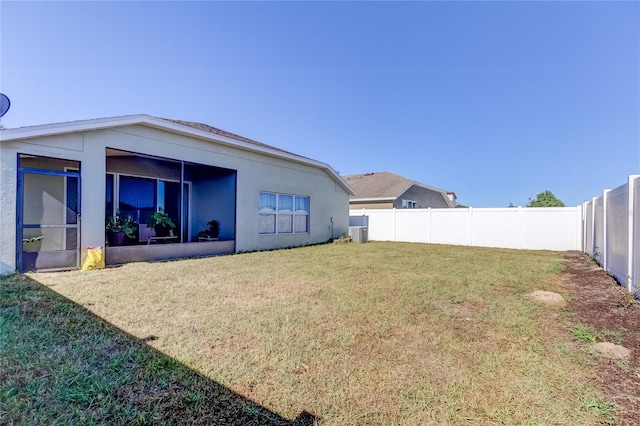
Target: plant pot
[
  {"x": 115, "y": 238},
  {"x": 129, "y": 241},
  {"x": 162, "y": 231}
]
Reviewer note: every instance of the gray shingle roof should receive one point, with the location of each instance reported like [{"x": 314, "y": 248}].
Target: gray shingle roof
[
  {"x": 378, "y": 184},
  {"x": 220, "y": 132},
  {"x": 386, "y": 185}
]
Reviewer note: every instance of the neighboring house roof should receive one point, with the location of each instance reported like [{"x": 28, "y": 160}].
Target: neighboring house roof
[
  {"x": 189, "y": 128},
  {"x": 383, "y": 186}
]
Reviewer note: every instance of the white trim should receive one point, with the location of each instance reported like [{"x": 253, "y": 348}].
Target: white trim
[{"x": 30, "y": 132}]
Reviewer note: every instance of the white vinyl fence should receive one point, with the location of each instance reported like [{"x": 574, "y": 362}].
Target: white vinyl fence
[
  {"x": 554, "y": 228},
  {"x": 612, "y": 232}
]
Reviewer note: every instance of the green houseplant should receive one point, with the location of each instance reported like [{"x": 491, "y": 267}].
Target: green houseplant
[
  {"x": 29, "y": 245},
  {"x": 161, "y": 223},
  {"x": 119, "y": 228},
  {"x": 212, "y": 233}
]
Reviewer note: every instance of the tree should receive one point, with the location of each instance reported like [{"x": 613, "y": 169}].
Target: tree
[{"x": 545, "y": 199}]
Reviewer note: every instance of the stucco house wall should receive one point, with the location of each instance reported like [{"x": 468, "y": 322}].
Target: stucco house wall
[
  {"x": 256, "y": 171},
  {"x": 423, "y": 197}
]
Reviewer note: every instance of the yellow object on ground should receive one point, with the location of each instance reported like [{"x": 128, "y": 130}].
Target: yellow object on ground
[{"x": 94, "y": 260}]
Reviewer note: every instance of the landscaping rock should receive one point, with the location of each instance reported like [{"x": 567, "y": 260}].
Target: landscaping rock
[
  {"x": 548, "y": 298},
  {"x": 612, "y": 350}
]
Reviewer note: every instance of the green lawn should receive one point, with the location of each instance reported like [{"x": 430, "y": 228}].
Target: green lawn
[{"x": 378, "y": 333}]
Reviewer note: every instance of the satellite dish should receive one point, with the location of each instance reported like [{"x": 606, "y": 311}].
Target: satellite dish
[{"x": 5, "y": 103}]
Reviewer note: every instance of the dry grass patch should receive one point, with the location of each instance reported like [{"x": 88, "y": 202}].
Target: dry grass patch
[
  {"x": 61, "y": 365},
  {"x": 379, "y": 333}
]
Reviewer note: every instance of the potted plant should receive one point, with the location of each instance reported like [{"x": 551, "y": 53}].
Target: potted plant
[
  {"x": 27, "y": 243},
  {"x": 119, "y": 228},
  {"x": 161, "y": 223},
  {"x": 212, "y": 233}
]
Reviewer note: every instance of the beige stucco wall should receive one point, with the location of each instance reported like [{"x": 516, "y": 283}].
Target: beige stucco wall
[
  {"x": 255, "y": 172},
  {"x": 380, "y": 205}
]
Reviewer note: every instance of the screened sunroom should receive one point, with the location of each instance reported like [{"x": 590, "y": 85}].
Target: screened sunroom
[{"x": 192, "y": 195}]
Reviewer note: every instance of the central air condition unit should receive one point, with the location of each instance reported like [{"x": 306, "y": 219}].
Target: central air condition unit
[{"x": 359, "y": 234}]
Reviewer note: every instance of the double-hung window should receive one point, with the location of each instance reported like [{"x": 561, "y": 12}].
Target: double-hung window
[{"x": 283, "y": 214}]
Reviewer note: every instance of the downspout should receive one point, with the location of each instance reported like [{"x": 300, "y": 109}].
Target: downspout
[{"x": 331, "y": 219}]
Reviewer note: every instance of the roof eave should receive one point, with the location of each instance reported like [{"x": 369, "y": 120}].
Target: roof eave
[
  {"x": 31, "y": 132},
  {"x": 54, "y": 129}
]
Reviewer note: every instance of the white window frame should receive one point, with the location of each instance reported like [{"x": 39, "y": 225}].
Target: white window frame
[
  {"x": 409, "y": 204},
  {"x": 294, "y": 213}
]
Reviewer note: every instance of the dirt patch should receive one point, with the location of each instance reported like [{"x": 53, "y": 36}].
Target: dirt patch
[
  {"x": 611, "y": 350},
  {"x": 548, "y": 298},
  {"x": 457, "y": 308},
  {"x": 599, "y": 302}
]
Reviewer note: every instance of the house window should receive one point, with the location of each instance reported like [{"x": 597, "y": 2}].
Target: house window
[
  {"x": 283, "y": 214},
  {"x": 137, "y": 197},
  {"x": 267, "y": 219},
  {"x": 408, "y": 204}
]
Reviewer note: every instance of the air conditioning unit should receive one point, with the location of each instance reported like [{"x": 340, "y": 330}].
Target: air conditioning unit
[
  {"x": 359, "y": 234},
  {"x": 359, "y": 220}
]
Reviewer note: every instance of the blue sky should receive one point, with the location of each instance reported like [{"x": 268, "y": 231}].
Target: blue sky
[{"x": 496, "y": 101}]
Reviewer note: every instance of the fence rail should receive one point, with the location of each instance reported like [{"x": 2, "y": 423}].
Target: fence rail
[
  {"x": 556, "y": 228},
  {"x": 607, "y": 228}
]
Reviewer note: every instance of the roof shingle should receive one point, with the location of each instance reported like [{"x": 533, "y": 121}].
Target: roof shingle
[
  {"x": 220, "y": 132},
  {"x": 378, "y": 184}
]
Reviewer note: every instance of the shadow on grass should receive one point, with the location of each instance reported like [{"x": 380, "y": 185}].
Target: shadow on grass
[{"x": 61, "y": 364}]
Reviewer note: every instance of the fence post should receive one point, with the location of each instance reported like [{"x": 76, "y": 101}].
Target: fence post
[
  {"x": 593, "y": 226},
  {"x": 395, "y": 225},
  {"x": 631, "y": 243},
  {"x": 605, "y": 199},
  {"x": 580, "y": 227},
  {"x": 520, "y": 227},
  {"x": 470, "y": 213},
  {"x": 583, "y": 226},
  {"x": 429, "y": 225}
]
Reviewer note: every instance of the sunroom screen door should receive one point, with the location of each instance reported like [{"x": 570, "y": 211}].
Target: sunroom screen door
[{"x": 48, "y": 222}]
